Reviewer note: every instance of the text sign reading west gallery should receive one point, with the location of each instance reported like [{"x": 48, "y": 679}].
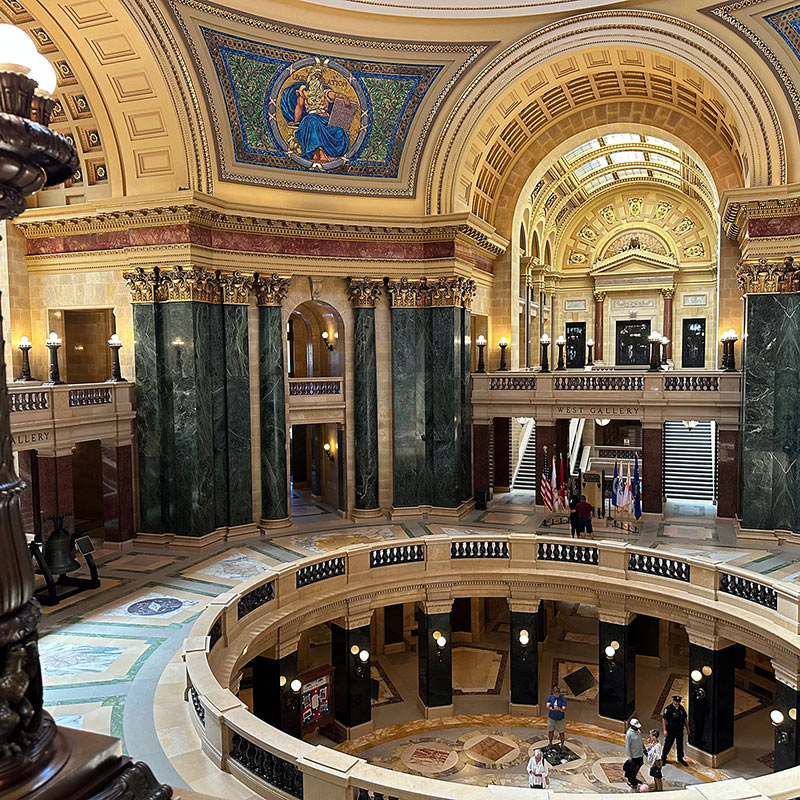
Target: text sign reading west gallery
[{"x": 599, "y": 411}]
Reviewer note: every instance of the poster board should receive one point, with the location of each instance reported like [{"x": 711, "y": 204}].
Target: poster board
[{"x": 316, "y": 698}]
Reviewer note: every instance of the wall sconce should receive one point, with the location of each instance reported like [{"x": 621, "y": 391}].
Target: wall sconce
[
  {"x": 326, "y": 337},
  {"x": 291, "y": 699},
  {"x": 610, "y": 654},
  {"x": 25, "y": 346},
  {"x": 503, "y": 343},
  {"x": 53, "y": 343},
  {"x": 691, "y": 424},
  {"x": 327, "y": 448},
  {"x": 729, "y": 339},
  {"x": 561, "y": 341},
  {"x": 481, "y": 342},
  {"x": 602, "y": 422},
  {"x": 697, "y": 676},
  {"x": 776, "y": 718},
  {"x": 116, "y": 373},
  {"x": 655, "y": 351},
  {"x": 524, "y": 641},
  {"x": 664, "y": 343},
  {"x": 544, "y": 341},
  {"x": 589, "y": 348},
  {"x": 361, "y": 658},
  {"x": 441, "y": 642}
]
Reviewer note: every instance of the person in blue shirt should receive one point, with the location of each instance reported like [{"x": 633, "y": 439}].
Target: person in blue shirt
[{"x": 556, "y": 710}]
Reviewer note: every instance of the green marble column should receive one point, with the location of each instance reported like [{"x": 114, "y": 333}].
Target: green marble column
[
  {"x": 771, "y": 413},
  {"x": 239, "y": 485},
  {"x": 270, "y": 292},
  {"x": 363, "y": 295},
  {"x": 466, "y": 405}
]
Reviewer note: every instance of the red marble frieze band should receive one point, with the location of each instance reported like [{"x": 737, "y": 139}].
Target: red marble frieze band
[{"x": 774, "y": 226}]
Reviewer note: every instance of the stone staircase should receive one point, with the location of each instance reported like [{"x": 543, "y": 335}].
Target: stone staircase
[
  {"x": 525, "y": 473},
  {"x": 689, "y": 461}
]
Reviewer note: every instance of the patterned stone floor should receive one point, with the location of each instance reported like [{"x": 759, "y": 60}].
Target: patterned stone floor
[{"x": 111, "y": 656}]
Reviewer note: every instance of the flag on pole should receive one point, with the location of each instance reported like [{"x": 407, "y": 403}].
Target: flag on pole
[
  {"x": 615, "y": 486},
  {"x": 562, "y": 486},
  {"x": 546, "y": 488},
  {"x": 628, "y": 491},
  {"x": 554, "y": 484},
  {"x": 637, "y": 492}
]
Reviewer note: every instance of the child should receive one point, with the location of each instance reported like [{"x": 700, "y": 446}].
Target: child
[{"x": 654, "y": 760}]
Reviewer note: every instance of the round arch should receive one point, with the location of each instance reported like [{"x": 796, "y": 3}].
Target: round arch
[
  {"x": 519, "y": 73},
  {"x": 316, "y": 340}
]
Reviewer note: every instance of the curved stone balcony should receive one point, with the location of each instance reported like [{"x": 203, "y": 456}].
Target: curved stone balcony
[{"x": 714, "y": 601}]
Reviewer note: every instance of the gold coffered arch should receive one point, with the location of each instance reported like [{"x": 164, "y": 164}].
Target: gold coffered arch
[{"x": 677, "y": 78}]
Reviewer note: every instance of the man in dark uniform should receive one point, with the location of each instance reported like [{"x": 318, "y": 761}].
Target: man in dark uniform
[{"x": 676, "y": 721}]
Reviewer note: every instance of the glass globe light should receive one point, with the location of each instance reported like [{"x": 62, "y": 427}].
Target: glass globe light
[
  {"x": 524, "y": 639},
  {"x": 441, "y": 641},
  {"x": 296, "y": 685},
  {"x": 364, "y": 656},
  {"x": 43, "y": 73},
  {"x": 696, "y": 675},
  {"x": 610, "y": 652},
  {"x": 776, "y": 717},
  {"x": 17, "y": 48}
]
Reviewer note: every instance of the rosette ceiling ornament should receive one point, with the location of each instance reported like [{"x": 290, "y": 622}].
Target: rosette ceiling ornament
[{"x": 31, "y": 155}]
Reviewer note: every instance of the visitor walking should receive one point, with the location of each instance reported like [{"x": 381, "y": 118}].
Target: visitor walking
[
  {"x": 573, "y": 516},
  {"x": 634, "y": 750},
  {"x": 676, "y": 722},
  {"x": 556, "y": 711},
  {"x": 538, "y": 771},
  {"x": 584, "y": 511},
  {"x": 654, "y": 760}
]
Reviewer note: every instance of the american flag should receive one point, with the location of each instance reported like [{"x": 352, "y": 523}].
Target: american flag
[{"x": 546, "y": 488}]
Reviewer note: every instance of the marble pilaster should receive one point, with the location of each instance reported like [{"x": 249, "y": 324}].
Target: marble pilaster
[
  {"x": 365, "y": 417},
  {"x": 711, "y": 700},
  {"x": 352, "y": 681},
  {"x": 617, "y": 691},
  {"x": 117, "y": 473},
  {"x": 466, "y": 405},
  {"x": 652, "y": 466},
  {"x": 787, "y": 735},
  {"x": 524, "y": 658},
  {"x": 435, "y": 681}
]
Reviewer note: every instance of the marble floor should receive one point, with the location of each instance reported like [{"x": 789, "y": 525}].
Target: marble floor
[{"x": 111, "y": 656}]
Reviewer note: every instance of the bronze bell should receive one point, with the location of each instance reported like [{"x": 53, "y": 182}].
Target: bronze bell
[{"x": 58, "y": 549}]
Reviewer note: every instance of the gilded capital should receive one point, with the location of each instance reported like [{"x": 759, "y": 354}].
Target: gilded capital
[
  {"x": 600, "y": 296},
  {"x": 270, "y": 289},
  {"x": 142, "y": 284},
  {"x": 446, "y": 292},
  {"x": 668, "y": 293},
  {"x": 409, "y": 294},
  {"x": 363, "y": 292},
  {"x": 198, "y": 285},
  {"x": 769, "y": 277},
  {"x": 236, "y": 288}
]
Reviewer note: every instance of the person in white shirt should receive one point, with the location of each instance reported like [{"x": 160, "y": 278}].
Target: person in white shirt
[
  {"x": 654, "y": 760},
  {"x": 537, "y": 771}
]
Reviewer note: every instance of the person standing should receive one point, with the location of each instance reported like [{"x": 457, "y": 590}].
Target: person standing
[
  {"x": 654, "y": 760},
  {"x": 584, "y": 511},
  {"x": 556, "y": 711},
  {"x": 634, "y": 750},
  {"x": 676, "y": 723},
  {"x": 538, "y": 771},
  {"x": 573, "y": 516}
]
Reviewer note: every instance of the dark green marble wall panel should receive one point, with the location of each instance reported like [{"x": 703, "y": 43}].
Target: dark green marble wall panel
[
  {"x": 274, "y": 500},
  {"x": 408, "y": 389},
  {"x": 341, "y": 469},
  {"x": 187, "y": 379},
  {"x": 771, "y": 413},
  {"x": 219, "y": 415},
  {"x": 466, "y": 407},
  {"x": 151, "y": 442},
  {"x": 444, "y": 398},
  {"x": 237, "y": 400},
  {"x": 365, "y": 393}
]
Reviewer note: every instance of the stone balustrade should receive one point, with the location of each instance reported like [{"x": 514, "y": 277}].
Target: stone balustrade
[
  {"x": 715, "y": 599},
  {"x": 652, "y": 397},
  {"x": 53, "y": 418},
  {"x": 314, "y": 400}
]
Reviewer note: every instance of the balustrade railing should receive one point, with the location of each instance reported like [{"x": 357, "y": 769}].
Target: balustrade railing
[
  {"x": 400, "y": 554},
  {"x": 94, "y": 396},
  {"x": 691, "y": 383},
  {"x": 514, "y": 382},
  {"x": 28, "y": 401},
  {"x": 314, "y": 386},
  {"x": 615, "y": 453},
  {"x": 596, "y": 570},
  {"x": 273, "y": 769},
  {"x": 571, "y": 553},
  {"x": 255, "y": 599},
  {"x": 482, "y": 549},
  {"x": 660, "y": 566},
  {"x": 747, "y": 589},
  {"x": 598, "y": 383},
  {"x": 320, "y": 571}
]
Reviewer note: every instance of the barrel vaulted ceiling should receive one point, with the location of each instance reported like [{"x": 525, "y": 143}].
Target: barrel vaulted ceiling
[{"x": 162, "y": 95}]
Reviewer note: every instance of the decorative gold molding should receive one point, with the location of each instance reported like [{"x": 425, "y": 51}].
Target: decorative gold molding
[
  {"x": 179, "y": 284},
  {"x": 668, "y": 293},
  {"x": 408, "y": 294},
  {"x": 599, "y": 297},
  {"x": 769, "y": 277},
  {"x": 363, "y": 292},
  {"x": 236, "y": 288},
  {"x": 443, "y": 292},
  {"x": 270, "y": 289},
  {"x": 142, "y": 285}
]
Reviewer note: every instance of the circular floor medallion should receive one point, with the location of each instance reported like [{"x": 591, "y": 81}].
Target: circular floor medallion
[
  {"x": 154, "y": 606},
  {"x": 491, "y": 749},
  {"x": 429, "y": 758}
]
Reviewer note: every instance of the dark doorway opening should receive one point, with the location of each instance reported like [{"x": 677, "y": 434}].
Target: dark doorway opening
[
  {"x": 576, "y": 345},
  {"x": 633, "y": 349},
  {"x": 694, "y": 343}
]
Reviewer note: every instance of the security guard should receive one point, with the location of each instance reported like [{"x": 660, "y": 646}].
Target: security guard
[{"x": 676, "y": 721}]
